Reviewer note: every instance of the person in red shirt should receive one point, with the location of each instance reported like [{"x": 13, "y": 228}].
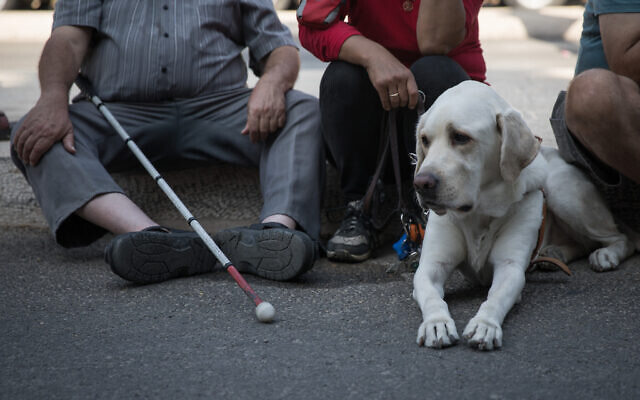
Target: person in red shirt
[{"x": 384, "y": 53}]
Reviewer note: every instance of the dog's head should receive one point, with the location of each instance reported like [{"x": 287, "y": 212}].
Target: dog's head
[{"x": 469, "y": 137}]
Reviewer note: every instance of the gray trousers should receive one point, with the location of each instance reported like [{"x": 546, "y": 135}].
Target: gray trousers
[{"x": 203, "y": 129}]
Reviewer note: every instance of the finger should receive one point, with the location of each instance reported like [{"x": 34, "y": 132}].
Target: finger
[
  {"x": 403, "y": 95},
  {"x": 252, "y": 127},
  {"x": 412, "y": 89},
  {"x": 394, "y": 97},
  {"x": 39, "y": 148},
  {"x": 68, "y": 141},
  {"x": 282, "y": 120},
  {"x": 273, "y": 124},
  {"x": 245, "y": 130},
  {"x": 264, "y": 125},
  {"x": 29, "y": 142},
  {"x": 384, "y": 98},
  {"x": 254, "y": 136},
  {"x": 277, "y": 121},
  {"x": 18, "y": 140}
]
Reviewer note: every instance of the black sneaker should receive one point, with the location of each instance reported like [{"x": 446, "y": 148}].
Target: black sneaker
[
  {"x": 355, "y": 239},
  {"x": 5, "y": 127},
  {"x": 156, "y": 254}
]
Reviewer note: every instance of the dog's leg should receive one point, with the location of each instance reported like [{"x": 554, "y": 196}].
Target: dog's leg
[
  {"x": 559, "y": 244},
  {"x": 509, "y": 257},
  {"x": 442, "y": 251},
  {"x": 484, "y": 330},
  {"x": 575, "y": 200}
]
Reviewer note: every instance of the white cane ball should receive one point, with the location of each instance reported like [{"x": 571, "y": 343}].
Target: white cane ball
[{"x": 265, "y": 312}]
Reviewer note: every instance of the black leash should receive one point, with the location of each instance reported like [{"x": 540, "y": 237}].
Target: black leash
[{"x": 389, "y": 143}]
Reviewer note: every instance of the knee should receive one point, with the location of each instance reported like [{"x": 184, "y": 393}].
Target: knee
[
  {"x": 591, "y": 95},
  {"x": 436, "y": 73},
  {"x": 434, "y": 64},
  {"x": 14, "y": 156},
  {"x": 303, "y": 110},
  {"x": 302, "y": 104},
  {"x": 342, "y": 79}
]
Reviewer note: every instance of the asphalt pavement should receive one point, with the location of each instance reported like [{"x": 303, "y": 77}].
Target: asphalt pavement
[{"x": 69, "y": 328}]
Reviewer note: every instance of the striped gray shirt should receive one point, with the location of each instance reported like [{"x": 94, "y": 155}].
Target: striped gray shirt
[{"x": 153, "y": 50}]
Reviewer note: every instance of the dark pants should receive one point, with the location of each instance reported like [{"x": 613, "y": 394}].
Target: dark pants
[{"x": 351, "y": 115}]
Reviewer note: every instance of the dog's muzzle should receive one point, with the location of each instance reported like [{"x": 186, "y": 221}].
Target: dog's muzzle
[{"x": 426, "y": 186}]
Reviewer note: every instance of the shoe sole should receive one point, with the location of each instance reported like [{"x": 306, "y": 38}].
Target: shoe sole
[
  {"x": 275, "y": 254},
  {"x": 155, "y": 257},
  {"x": 345, "y": 256}
]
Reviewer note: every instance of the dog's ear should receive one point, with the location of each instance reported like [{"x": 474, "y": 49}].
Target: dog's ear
[{"x": 519, "y": 146}]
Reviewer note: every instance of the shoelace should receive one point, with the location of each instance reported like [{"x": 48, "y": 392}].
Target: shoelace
[{"x": 352, "y": 220}]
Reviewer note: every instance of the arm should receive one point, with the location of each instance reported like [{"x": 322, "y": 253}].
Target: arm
[
  {"x": 387, "y": 74},
  {"x": 441, "y": 25},
  {"x": 621, "y": 42},
  {"x": 267, "y": 106},
  {"x": 48, "y": 121}
]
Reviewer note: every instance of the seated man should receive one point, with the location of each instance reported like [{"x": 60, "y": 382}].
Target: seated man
[
  {"x": 597, "y": 121},
  {"x": 173, "y": 75},
  {"x": 380, "y": 58}
]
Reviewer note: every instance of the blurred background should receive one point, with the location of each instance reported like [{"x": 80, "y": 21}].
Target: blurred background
[
  {"x": 530, "y": 49},
  {"x": 291, "y": 4}
]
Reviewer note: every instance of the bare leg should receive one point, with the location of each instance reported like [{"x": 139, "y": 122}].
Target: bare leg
[
  {"x": 283, "y": 219},
  {"x": 603, "y": 112},
  {"x": 116, "y": 213}
]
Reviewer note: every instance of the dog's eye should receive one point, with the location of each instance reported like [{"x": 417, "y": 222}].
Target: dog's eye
[
  {"x": 425, "y": 141},
  {"x": 460, "y": 138}
]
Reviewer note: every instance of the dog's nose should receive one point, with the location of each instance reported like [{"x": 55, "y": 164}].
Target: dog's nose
[{"x": 426, "y": 181}]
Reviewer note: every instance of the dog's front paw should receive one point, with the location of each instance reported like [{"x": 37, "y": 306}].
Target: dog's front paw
[
  {"x": 483, "y": 334},
  {"x": 438, "y": 333},
  {"x": 603, "y": 260}
]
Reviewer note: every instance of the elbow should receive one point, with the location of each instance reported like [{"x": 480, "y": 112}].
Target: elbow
[
  {"x": 626, "y": 68},
  {"x": 433, "y": 44},
  {"x": 429, "y": 48}
]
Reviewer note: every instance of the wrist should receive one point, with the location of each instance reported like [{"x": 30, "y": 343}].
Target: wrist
[
  {"x": 275, "y": 81},
  {"x": 365, "y": 52},
  {"x": 54, "y": 98}
]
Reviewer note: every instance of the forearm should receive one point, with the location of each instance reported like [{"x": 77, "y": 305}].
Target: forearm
[
  {"x": 621, "y": 43},
  {"x": 441, "y": 26},
  {"x": 628, "y": 63},
  {"x": 60, "y": 61},
  {"x": 360, "y": 51},
  {"x": 282, "y": 67}
]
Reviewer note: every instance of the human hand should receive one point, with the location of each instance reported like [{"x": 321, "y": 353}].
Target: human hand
[
  {"x": 266, "y": 110},
  {"x": 47, "y": 123},
  {"x": 394, "y": 82}
]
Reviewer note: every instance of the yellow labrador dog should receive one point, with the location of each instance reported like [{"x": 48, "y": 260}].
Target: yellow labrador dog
[{"x": 480, "y": 170}]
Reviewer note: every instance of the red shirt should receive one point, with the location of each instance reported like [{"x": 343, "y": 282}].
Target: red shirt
[{"x": 386, "y": 22}]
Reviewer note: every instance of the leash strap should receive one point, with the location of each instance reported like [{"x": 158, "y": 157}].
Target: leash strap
[
  {"x": 535, "y": 258},
  {"x": 389, "y": 140},
  {"x": 383, "y": 151}
]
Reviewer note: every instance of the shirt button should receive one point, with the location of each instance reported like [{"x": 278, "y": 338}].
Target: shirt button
[
  {"x": 164, "y": 70},
  {"x": 165, "y": 7},
  {"x": 166, "y": 34}
]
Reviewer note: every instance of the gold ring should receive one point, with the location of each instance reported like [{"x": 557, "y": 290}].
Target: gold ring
[{"x": 394, "y": 94}]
